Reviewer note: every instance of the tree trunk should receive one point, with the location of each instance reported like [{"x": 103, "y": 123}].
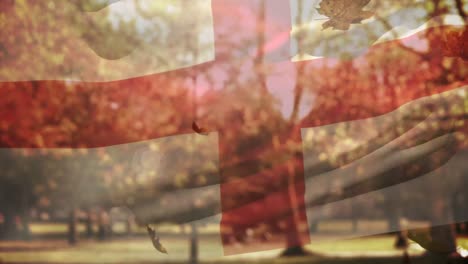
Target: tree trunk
[
  {"x": 354, "y": 216},
  {"x": 393, "y": 217},
  {"x": 401, "y": 241},
  {"x": 25, "y": 213},
  {"x": 10, "y": 226},
  {"x": 458, "y": 206},
  {"x": 101, "y": 234},
  {"x": 313, "y": 226},
  {"x": 10, "y": 211},
  {"x": 72, "y": 227},
  {"x": 102, "y": 225},
  {"x": 293, "y": 240},
  {"x": 394, "y": 214},
  {"x": 128, "y": 225},
  {"x": 110, "y": 224},
  {"x": 444, "y": 234},
  {"x": 293, "y": 237},
  {"x": 194, "y": 244},
  {"x": 26, "y": 231},
  {"x": 89, "y": 225}
]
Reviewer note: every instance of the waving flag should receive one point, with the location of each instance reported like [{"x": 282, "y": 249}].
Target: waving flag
[
  {"x": 102, "y": 40},
  {"x": 304, "y": 122}
]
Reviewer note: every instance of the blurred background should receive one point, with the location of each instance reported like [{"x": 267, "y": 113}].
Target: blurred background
[{"x": 98, "y": 101}]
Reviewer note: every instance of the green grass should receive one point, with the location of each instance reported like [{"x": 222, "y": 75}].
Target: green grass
[
  {"x": 463, "y": 242},
  {"x": 141, "y": 251},
  {"x": 120, "y": 251},
  {"x": 328, "y": 226},
  {"x": 54, "y": 228},
  {"x": 383, "y": 243}
]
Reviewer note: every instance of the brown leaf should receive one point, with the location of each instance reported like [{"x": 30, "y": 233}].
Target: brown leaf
[
  {"x": 343, "y": 13},
  {"x": 155, "y": 240},
  {"x": 199, "y": 130}
]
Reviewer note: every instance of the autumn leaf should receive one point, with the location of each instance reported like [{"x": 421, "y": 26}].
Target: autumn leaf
[
  {"x": 343, "y": 13},
  {"x": 155, "y": 240},
  {"x": 199, "y": 130}
]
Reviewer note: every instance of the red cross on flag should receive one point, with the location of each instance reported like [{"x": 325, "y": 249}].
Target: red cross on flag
[{"x": 313, "y": 113}]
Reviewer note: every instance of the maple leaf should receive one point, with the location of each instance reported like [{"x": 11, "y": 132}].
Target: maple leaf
[
  {"x": 343, "y": 13},
  {"x": 155, "y": 240}
]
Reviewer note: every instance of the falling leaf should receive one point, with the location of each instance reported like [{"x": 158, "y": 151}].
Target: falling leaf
[
  {"x": 155, "y": 240},
  {"x": 199, "y": 130},
  {"x": 343, "y": 13}
]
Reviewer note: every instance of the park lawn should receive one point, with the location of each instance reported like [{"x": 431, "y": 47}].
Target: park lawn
[
  {"x": 56, "y": 228},
  {"x": 463, "y": 242},
  {"x": 117, "y": 251},
  {"x": 141, "y": 251},
  {"x": 327, "y": 226},
  {"x": 52, "y": 228},
  {"x": 370, "y": 245}
]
